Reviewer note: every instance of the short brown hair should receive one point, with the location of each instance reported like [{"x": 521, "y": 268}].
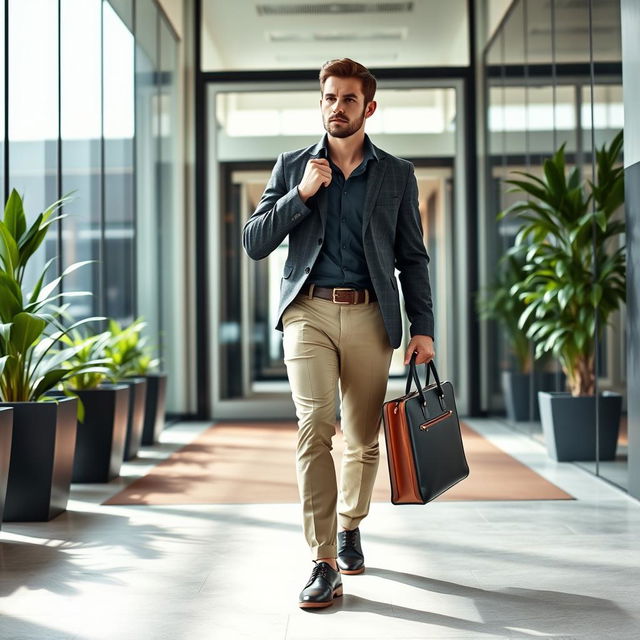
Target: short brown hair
[{"x": 347, "y": 68}]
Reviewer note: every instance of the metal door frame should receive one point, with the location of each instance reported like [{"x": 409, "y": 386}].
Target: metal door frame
[{"x": 280, "y": 406}]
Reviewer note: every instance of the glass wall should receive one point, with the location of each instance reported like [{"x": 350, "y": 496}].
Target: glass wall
[
  {"x": 81, "y": 132},
  {"x": 92, "y": 111},
  {"x": 147, "y": 151},
  {"x": 554, "y": 76},
  {"x": 33, "y": 130},
  {"x": 167, "y": 190},
  {"x": 118, "y": 138}
]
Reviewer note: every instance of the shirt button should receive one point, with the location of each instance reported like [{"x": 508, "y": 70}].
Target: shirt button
[
  {"x": 307, "y": 270},
  {"x": 344, "y": 246}
]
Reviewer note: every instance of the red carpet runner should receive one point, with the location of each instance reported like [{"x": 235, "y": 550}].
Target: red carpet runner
[{"x": 254, "y": 463}]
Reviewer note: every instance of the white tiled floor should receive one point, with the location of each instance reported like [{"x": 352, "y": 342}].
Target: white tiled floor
[{"x": 565, "y": 569}]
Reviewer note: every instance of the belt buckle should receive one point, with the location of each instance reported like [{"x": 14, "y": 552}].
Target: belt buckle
[{"x": 333, "y": 295}]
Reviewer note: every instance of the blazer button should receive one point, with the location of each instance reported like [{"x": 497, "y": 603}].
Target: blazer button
[
  {"x": 307, "y": 270},
  {"x": 319, "y": 240}
]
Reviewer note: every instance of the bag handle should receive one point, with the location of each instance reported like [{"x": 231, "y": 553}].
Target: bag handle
[{"x": 413, "y": 375}]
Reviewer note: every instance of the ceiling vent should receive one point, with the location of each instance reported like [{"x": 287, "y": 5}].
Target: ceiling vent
[
  {"x": 332, "y": 8},
  {"x": 372, "y": 58},
  {"x": 337, "y": 36}
]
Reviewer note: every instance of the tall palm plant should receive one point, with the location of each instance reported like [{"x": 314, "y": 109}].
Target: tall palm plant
[{"x": 574, "y": 274}]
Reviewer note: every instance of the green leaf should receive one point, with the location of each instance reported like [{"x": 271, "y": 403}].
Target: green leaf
[
  {"x": 47, "y": 382},
  {"x": 10, "y": 298},
  {"x": 8, "y": 250},
  {"x": 14, "y": 216},
  {"x": 522, "y": 321},
  {"x": 555, "y": 178},
  {"x": 3, "y": 361},
  {"x": 44, "y": 293},
  {"x": 36, "y": 290},
  {"x": 25, "y": 330},
  {"x": 596, "y": 295}
]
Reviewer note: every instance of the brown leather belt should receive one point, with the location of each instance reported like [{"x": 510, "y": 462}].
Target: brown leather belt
[{"x": 340, "y": 295}]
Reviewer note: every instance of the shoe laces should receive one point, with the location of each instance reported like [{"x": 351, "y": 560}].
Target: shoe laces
[
  {"x": 350, "y": 537},
  {"x": 320, "y": 569}
]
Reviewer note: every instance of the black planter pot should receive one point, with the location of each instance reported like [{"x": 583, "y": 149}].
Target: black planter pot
[
  {"x": 6, "y": 427},
  {"x": 101, "y": 437},
  {"x": 569, "y": 425},
  {"x": 135, "y": 420},
  {"x": 42, "y": 449},
  {"x": 154, "y": 410},
  {"x": 517, "y": 397}
]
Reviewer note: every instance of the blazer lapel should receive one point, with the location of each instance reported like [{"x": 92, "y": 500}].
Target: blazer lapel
[{"x": 374, "y": 182}]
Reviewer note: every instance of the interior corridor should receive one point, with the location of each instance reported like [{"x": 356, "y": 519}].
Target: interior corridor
[{"x": 459, "y": 569}]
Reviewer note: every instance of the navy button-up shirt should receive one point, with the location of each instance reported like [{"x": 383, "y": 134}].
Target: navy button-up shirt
[{"x": 341, "y": 262}]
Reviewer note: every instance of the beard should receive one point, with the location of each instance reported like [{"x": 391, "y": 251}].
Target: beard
[{"x": 344, "y": 129}]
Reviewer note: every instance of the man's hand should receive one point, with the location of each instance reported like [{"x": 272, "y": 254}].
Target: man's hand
[
  {"x": 423, "y": 345},
  {"x": 316, "y": 173}
]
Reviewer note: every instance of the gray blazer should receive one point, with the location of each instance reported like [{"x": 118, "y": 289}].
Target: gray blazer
[{"x": 391, "y": 228}]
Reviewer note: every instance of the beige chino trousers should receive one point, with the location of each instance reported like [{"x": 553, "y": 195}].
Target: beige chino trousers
[{"x": 326, "y": 344}]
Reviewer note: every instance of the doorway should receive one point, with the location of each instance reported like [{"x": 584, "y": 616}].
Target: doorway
[{"x": 253, "y": 125}]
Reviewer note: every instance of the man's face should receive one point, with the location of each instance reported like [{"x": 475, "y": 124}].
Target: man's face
[{"x": 343, "y": 107}]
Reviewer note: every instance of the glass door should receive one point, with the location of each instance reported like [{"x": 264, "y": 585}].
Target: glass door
[{"x": 253, "y": 126}]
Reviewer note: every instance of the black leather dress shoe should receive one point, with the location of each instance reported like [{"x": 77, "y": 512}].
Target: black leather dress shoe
[
  {"x": 350, "y": 556},
  {"x": 324, "y": 585}
]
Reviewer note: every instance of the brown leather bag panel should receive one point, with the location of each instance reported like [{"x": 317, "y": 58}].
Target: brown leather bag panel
[{"x": 404, "y": 485}]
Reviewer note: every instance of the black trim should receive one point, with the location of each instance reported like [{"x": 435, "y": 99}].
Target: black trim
[
  {"x": 267, "y": 165},
  {"x": 102, "y": 257},
  {"x": 59, "y": 176},
  {"x": 562, "y": 70},
  {"x": 6, "y": 100},
  {"x": 282, "y": 75},
  {"x": 594, "y": 244},
  {"x": 502, "y": 160},
  {"x": 173, "y": 418},
  {"x": 134, "y": 159},
  {"x": 202, "y": 307},
  {"x": 160, "y": 210},
  {"x": 471, "y": 189},
  {"x": 554, "y": 91},
  {"x": 527, "y": 131}
]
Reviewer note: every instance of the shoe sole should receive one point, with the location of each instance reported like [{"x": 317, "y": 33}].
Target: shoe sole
[
  {"x": 352, "y": 573},
  {"x": 321, "y": 605}
]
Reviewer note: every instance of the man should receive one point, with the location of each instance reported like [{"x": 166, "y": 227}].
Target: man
[{"x": 351, "y": 213}]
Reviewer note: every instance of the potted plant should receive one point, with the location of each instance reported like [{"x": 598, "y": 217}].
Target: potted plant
[
  {"x": 568, "y": 286},
  {"x": 102, "y": 423},
  {"x": 141, "y": 363},
  {"x": 44, "y": 433},
  {"x": 6, "y": 430},
  {"x": 122, "y": 350},
  {"x": 497, "y": 302}
]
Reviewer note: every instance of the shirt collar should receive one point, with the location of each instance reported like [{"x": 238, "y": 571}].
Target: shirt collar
[{"x": 369, "y": 151}]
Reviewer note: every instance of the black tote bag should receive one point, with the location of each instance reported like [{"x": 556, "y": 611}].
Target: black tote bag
[{"x": 424, "y": 445}]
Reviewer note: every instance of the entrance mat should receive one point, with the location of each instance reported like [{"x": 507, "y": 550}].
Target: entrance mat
[{"x": 254, "y": 462}]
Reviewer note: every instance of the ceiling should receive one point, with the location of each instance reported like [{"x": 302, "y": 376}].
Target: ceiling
[{"x": 291, "y": 34}]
